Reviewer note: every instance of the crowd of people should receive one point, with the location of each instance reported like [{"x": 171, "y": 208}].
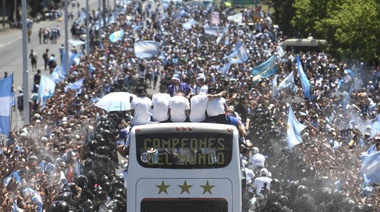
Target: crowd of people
[{"x": 67, "y": 157}]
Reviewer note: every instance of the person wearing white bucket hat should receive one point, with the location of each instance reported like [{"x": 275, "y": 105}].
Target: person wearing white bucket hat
[{"x": 177, "y": 86}]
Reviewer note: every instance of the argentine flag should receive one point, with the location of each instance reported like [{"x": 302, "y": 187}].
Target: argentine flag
[
  {"x": 46, "y": 89},
  {"x": 238, "y": 18},
  {"x": 57, "y": 75},
  {"x": 146, "y": 49},
  {"x": 294, "y": 130},
  {"x": 5, "y": 104},
  {"x": 75, "y": 86},
  {"x": 116, "y": 36}
]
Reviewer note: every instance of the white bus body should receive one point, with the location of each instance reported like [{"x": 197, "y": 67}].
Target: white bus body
[{"x": 184, "y": 167}]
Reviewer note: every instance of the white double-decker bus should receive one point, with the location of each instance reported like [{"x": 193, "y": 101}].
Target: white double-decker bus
[{"x": 184, "y": 167}]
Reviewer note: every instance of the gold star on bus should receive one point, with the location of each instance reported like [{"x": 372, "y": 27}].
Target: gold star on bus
[
  {"x": 162, "y": 188},
  {"x": 185, "y": 187},
  {"x": 207, "y": 188}
]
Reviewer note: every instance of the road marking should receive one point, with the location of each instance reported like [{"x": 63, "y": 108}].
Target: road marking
[{"x": 10, "y": 42}]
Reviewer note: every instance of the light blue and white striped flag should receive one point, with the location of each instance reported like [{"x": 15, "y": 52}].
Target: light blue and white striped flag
[
  {"x": 304, "y": 81},
  {"x": 238, "y": 18},
  {"x": 280, "y": 51},
  {"x": 75, "y": 86},
  {"x": 46, "y": 89},
  {"x": 265, "y": 69},
  {"x": 57, "y": 75},
  {"x": 275, "y": 92},
  {"x": 76, "y": 42},
  {"x": 225, "y": 68},
  {"x": 239, "y": 55},
  {"x": 188, "y": 24},
  {"x": 371, "y": 167},
  {"x": 5, "y": 104},
  {"x": 294, "y": 130},
  {"x": 287, "y": 82},
  {"x": 146, "y": 49},
  {"x": 116, "y": 36}
]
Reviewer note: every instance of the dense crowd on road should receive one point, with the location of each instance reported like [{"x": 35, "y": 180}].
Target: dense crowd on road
[{"x": 67, "y": 157}]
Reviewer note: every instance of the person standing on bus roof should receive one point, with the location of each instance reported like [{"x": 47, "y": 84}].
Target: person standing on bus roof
[
  {"x": 177, "y": 85},
  {"x": 160, "y": 104},
  {"x": 198, "y": 104},
  {"x": 201, "y": 79},
  {"x": 179, "y": 107},
  {"x": 141, "y": 108},
  {"x": 216, "y": 108}
]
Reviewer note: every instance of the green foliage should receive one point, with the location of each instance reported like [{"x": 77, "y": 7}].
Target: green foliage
[
  {"x": 284, "y": 12},
  {"x": 350, "y": 26}
]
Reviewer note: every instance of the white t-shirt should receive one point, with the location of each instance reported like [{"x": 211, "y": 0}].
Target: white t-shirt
[
  {"x": 249, "y": 175},
  {"x": 257, "y": 160},
  {"x": 258, "y": 183},
  {"x": 178, "y": 105},
  {"x": 216, "y": 106},
  {"x": 160, "y": 103},
  {"x": 198, "y": 108},
  {"x": 142, "y": 110}
]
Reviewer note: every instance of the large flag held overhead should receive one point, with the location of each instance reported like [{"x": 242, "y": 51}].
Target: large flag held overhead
[
  {"x": 371, "y": 167},
  {"x": 287, "y": 82},
  {"x": 294, "y": 130},
  {"x": 222, "y": 35},
  {"x": 46, "y": 89},
  {"x": 116, "y": 36},
  {"x": 112, "y": 19},
  {"x": 280, "y": 51},
  {"x": 188, "y": 24},
  {"x": 75, "y": 86},
  {"x": 265, "y": 69},
  {"x": 225, "y": 68},
  {"x": 146, "y": 49},
  {"x": 304, "y": 81},
  {"x": 5, "y": 104},
  {"x": 35, "y": 196},
  {"x": 13, "y": 175},
  {"x": 239, "y": 55},
  {"x": 82, "y": 18},
  {"x": 372, "y": 149},
  {"x": 76, "y": 42},
  {"x": 57, "y": 75},
  {"x": 238, "y": 18}
]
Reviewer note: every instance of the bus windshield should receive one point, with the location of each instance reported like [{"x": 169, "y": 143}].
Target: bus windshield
[{"x": 184, "y": 150}]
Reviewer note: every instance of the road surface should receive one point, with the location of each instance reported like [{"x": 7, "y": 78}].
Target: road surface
[{"x": 11, "y": 52}]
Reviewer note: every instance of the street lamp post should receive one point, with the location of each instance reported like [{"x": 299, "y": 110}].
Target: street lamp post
[
  {"x": 25, "y": 77},
  {"x": 87, "y": 30},
  {"x": 66, "y": 39},
  {"x": 100, "y": 20}
]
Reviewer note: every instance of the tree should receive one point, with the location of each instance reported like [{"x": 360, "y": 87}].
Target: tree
[
  {"x": 350, "y": 26},
  {"x": 283, "y": 14}
]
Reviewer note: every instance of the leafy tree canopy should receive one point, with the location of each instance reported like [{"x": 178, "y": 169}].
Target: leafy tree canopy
[{"x": 351, "y": 27}]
